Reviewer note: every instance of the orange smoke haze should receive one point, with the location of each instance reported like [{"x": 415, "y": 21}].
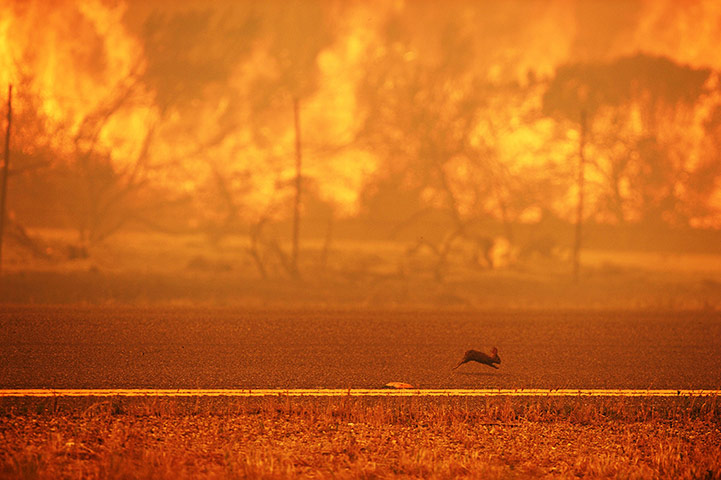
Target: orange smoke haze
[{"x": 442, "y": 101}]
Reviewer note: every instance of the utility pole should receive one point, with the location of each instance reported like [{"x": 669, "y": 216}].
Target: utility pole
[
  {"x": 579, "y": 211},
  {"x": 296, "y": 203},
  {"x": 3, "y": 194}
]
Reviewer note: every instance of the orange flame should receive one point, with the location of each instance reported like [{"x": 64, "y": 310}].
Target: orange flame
[{"x": 75, "y": 56}]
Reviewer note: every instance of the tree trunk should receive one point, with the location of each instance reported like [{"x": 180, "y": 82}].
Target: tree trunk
[
  {"x": 3, "y": 194},
  {"x": 579, "y": 211},
  {"x": 296, "y": 203}
]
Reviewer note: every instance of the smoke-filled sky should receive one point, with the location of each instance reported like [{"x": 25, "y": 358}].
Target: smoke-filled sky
[{"x": 395, "y": 107}]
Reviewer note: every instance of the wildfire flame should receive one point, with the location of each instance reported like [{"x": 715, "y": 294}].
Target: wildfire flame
[{"x": 75, "y": 58}]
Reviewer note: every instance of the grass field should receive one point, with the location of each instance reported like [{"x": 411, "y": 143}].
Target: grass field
[
  {"x": 339, "y": 437},
  {"x": 153, "y": 268}
]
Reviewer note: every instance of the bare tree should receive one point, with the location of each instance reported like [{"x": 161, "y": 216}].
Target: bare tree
[
  {"x": 107, "y": 197},
  {"x": 422, "y": 117},
  {"x": 637, "y": 117}
]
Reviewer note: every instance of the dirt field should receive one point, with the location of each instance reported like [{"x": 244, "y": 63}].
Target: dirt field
[{"x": 360, "y": 438}]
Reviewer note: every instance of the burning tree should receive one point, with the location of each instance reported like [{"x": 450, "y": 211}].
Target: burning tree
[
  {"x": 89, "y": 127},
  {"x": 252, "y": 92},
  {"x": 292, "y": 52},
  {"x": 442, "y": 127},
  {"x": 646, "y": 118}
]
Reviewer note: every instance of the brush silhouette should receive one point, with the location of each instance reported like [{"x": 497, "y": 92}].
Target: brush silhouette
[{"x": 480, "y": 357}]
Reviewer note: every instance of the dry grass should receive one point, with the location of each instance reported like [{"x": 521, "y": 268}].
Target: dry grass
[
  {"x": 142, "y": 268},
  {"x": 361, "y": 437}
]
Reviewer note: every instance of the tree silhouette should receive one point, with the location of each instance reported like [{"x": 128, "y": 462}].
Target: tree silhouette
[
  {"x": 296, "y": 33},
  {"x": 638, "y": 109},
  {"x": 421, "y": 110}
]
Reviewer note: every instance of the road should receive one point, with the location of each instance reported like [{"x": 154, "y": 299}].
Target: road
[{"x": 123, "y": 347}]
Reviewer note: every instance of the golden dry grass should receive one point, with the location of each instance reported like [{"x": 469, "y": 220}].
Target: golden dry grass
[
  {"x": 144, "y": 268},
  {"x": 360, "y": 438}
]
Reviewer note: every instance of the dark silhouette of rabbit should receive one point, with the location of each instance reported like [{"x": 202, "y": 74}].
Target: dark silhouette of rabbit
[{"x": 480, "y": 357}]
